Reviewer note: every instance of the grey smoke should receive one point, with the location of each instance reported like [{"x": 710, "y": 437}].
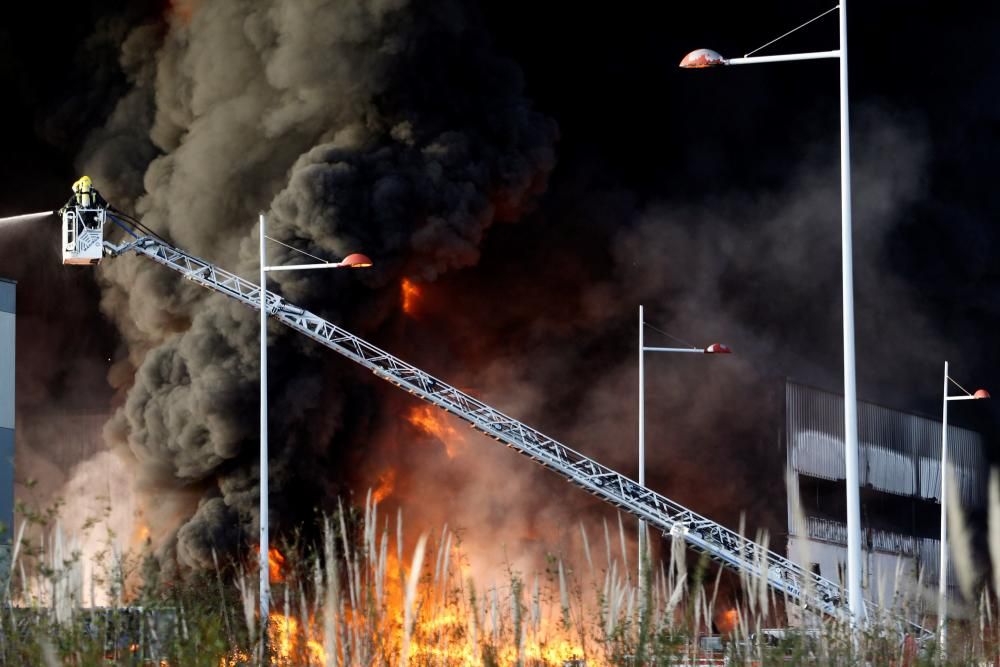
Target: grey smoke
[{"x": 384, "y": 126}]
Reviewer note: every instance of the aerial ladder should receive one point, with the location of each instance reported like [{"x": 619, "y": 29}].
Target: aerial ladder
[{"x": 789, "y": 579}]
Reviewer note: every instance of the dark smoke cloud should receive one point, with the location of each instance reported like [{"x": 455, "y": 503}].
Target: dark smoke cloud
[
  {"x": 761, "y": 273},
  {"x": 389, "y": 127}
]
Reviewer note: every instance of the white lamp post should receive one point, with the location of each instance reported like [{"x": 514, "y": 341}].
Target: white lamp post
[
  {"x": 356, "y": 261},
  {"x": 708, "y": 58},
  {"x": 943, "y": 572},
  {"x": 714, "y": 348}
]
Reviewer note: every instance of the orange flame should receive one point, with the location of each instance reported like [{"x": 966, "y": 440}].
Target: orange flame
[
  {"x": 727, "y": 621},
  {"x": 292, "y": 644},
  {"x": 386, "y": 485},
  {"x": 432, "y": 422},
  {"x": 442, "y": 621},
  {"x": 275, "y": 562},
  {"x": 142, "y": 534},
  {"x": 411, "y": 296}
]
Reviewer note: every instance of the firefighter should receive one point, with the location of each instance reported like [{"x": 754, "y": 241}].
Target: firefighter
[{"x": 86, "y": 196}]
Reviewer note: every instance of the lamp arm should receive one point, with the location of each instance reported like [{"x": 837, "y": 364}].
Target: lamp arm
[
  {"x": 753, "y": 60},
  {"x": 297, "y": 267}
]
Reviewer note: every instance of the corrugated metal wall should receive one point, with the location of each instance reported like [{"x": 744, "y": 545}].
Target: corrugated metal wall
[{"x": 899, "y": 453}]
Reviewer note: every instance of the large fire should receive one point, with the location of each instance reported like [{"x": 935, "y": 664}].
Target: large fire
[
  {"x": 433, "y": 422},
  {"x": 452, "y": 624},
  {"x": 410, "y": 294}
]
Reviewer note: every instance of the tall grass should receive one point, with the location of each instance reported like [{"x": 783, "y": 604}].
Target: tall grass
[{"x": 364, "y": 594}]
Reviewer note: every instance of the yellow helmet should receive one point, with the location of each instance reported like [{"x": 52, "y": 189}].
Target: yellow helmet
[{"x": 83, "y": 184}]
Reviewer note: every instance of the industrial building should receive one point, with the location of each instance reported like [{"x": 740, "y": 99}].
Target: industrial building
[
  {"x": 900, "y": 474},
  {"x": 7, "y": 335}
]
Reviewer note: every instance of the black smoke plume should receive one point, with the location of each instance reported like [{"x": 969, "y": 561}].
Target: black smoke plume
[{"x": 389, "y": 128}]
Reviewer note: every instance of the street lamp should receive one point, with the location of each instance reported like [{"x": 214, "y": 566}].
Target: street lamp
[
  {"x": 703, "y": 58},
  {"x": 714, "y": 348},
  {"x": 354, "y": 261},
  {"x": 943, "y": 571}
]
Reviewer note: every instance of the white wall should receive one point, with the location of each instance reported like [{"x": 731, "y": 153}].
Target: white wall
[{"x": 883, "y": 575}]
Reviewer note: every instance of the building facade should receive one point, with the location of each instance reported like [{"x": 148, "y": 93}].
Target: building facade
[
  {"x": 900, "y": 472},
  {"x": 7, "y": 335}
]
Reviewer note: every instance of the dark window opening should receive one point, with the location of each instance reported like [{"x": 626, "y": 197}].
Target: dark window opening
[{"x": 906, "y": 515}]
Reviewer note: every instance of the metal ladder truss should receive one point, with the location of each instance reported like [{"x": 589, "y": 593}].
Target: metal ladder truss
[{"x": 703, "y": 535}]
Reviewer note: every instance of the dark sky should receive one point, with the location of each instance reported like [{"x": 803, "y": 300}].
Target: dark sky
[
  {"x": 638, "y": 136},
  {"x": 626, "y": 110},
  {"x": 630, "y": 119}
]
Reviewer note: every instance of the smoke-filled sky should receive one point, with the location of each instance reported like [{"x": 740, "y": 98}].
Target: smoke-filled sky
[{"x": 537, "y": 173}]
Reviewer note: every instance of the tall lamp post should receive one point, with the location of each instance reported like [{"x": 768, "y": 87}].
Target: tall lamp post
[
  {"x": 943, "y": 572},
  {"x": 714, "y": 348},
  {"x": 708, "y": 58},
  {"x": 355, "y": 261}
]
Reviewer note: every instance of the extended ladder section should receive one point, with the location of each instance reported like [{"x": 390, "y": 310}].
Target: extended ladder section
[{"x": 703, "y": 535}]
